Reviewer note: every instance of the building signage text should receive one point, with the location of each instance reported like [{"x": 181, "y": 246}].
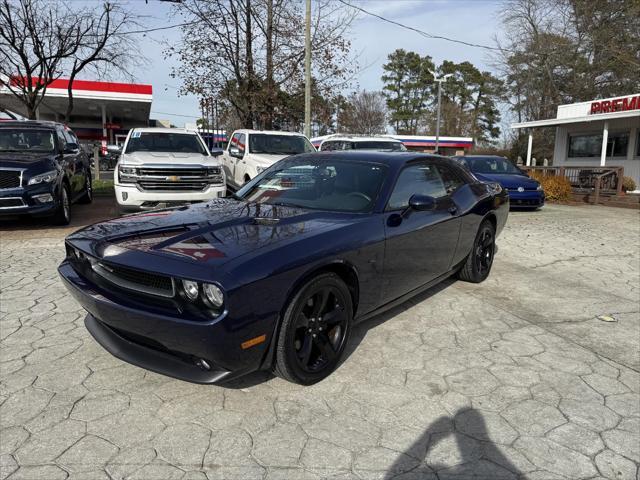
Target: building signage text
[{"x": 616, "y": 105}]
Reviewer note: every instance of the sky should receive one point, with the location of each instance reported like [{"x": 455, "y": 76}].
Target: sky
[{"x": 474, "y": 21}]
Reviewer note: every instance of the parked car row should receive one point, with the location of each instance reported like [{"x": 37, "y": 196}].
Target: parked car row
[{"x": 43, "y": 170}]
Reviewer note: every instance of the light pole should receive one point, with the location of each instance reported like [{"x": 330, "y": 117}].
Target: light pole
[
  {"x": 307, "y": 70},
  {"x": 439, "y": 80}
]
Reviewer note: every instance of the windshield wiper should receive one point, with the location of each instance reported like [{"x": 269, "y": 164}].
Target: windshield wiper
[{"x": 286, "y": 204}]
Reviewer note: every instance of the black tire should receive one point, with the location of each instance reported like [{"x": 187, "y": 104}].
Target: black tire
[
  {"x": 87, "y": 197},
  {"x": 63, "y": 212},
  {"x": 478, "y": 264},
  {"x": 315, "y": 330}
]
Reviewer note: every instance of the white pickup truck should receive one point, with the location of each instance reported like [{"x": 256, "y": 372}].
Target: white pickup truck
[
  {"x": 166, "y": 166},
  {"x": 249, "y": 152}
]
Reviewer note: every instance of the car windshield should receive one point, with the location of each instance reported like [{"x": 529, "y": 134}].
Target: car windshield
[
  {"x": 380, "y": 145},
  {"x": 164, "y": 142},
  {"x": 491, "y": 165},
  {"x": 279, "y": 144},
  {"x": 27, "y": 140},
  {"x": 337, "y": 185}
]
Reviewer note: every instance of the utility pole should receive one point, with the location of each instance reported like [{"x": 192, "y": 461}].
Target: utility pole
[
  {"x": 439, "y": 80},
  {"x": 307, "y": 72}
]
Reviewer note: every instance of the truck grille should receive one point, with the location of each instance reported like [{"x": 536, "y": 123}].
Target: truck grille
[
  {"x": 10, "y": 178},
  {"x": 187, "y": 179}
]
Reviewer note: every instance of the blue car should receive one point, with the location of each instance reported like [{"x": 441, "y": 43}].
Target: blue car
[
  {"x": 276, "y": 276},
  {"x": 524, "y": 192}
]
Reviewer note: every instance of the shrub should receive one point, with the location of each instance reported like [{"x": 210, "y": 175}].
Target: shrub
[
  {"x": 556, "y": 188},
  {"x": 628, "y": 184}
]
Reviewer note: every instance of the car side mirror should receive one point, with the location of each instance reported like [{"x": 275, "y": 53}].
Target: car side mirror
[
  {"x": 422, "y": 203},
  {"x": 70, "y": 148},
  {"x": 215, "y": 152},
  {"x": 235, "y": 152}
]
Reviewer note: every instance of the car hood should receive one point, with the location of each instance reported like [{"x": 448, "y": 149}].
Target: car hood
[
  {"x": 508, "y": 180},
  {"x": 206, "y": 233},
  {"x": 167, "y": 158},
  {"x": 22, "y": 159}
]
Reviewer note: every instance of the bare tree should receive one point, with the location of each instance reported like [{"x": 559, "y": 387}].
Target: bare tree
[
  {"x": 40, "y": 41},
  {"x": 363, "y": 113},
  {"x": 105, "y": 47},
  {"x": 249, "y": 53},
  {"x": 35, "y": 39}
]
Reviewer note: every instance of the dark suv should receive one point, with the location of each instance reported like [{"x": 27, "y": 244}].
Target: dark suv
[{"x": 43, "y": 170}]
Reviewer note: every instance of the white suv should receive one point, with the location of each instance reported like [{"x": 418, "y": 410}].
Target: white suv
[
  {"x": 166, "y": 166},
  {"x": 355, "y": 142},
  {"x": 249, "y": 152}
]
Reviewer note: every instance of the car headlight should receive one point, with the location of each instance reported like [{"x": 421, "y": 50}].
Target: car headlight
[
  {"x": 213, "y": 294},
  {"x": 539, "y": 188},
  {"x": 190, "y": 289},
  {"x": 127, "y": 174},
  {"x": 215, "y": 175},
  {"x": 46, "y": 177}
]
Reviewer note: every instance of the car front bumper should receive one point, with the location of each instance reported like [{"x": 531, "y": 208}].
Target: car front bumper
[
  {"x": 526, "y": 199},
  {"x": 28, "y": 201},
  {"x": 132, "y": 198},
  {"x": 163, "y": 343}
]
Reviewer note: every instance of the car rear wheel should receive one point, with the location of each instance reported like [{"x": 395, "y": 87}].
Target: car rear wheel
[
  {"x": 63, "y": 213},
  {"x": 478, "y": 264},
  {"x": 87, "y": 197},
  {"x": 315, "y": 330}
]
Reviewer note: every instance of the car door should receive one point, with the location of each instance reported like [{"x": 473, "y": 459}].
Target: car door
[
  {"x": 227, "y": 159},
  {"x": 66, "y": 161},
  {"x": 419, "y": 245},
  {"x": 77, "y": 158},
  {"x": 239, "y": 163}
]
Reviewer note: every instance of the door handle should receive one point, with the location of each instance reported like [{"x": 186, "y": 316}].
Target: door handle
[{"x": 452, "y": 209}]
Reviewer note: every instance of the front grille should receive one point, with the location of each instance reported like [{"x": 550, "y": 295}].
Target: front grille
[
  {"x": 130, "y": 279},
  {"x": 10, "y": 178},
  {"x": 186, "y": 179},
  {"x": 181, "y": 186},
  {"x": 11, "y": 202}
]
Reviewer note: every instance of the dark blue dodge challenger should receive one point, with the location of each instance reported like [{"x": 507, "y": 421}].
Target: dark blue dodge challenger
[{"x": 276, "y": 276}]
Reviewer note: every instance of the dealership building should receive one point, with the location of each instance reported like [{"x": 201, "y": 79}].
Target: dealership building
[
  {"x": 103, "y": 112},
  {"x": 598, "y": 133}
]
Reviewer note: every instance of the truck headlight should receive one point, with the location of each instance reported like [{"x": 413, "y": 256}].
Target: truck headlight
[
  {"x": 46, "y": 177},
  {"x": 260, "y": 169},
  {"x": 127, "y": 174},
  {"x": 215, "y": 175},
  {"x": 213, "y": 294}
]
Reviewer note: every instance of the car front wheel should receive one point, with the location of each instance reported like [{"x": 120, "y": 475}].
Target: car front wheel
[
  {"x": 315, "y": 330},
  {"x": 478, "y": 264},
  {"x": 63, "y": 213}
]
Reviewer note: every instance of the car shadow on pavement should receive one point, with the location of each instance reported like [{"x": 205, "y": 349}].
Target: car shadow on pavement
[{"x": 477, "y": 457}]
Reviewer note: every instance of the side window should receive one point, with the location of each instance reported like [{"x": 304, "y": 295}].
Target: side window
[
  {"x": 62, "y": 139},
  {"x": 421, "y": 179},
  {"x": 239, "y": 141},
  {"x": 328, "y": 146},
  {"x": 452, "y": 180}
]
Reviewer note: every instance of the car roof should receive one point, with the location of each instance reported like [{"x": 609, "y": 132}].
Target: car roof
[
  {"x": 361, "y": 138},
  {"x": 164, "y": 130},
  {"x": 29, "y": 124},
  {"x": 269, "y": 132},
  {"x": 395, "y": 159},
  {"x": 479, "y": 156}
]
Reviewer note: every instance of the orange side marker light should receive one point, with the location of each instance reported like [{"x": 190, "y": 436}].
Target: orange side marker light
[{"x": 253, "y": 342}]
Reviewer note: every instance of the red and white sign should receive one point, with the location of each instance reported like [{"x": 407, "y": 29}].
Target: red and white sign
[{"x": 615, "y": 105}]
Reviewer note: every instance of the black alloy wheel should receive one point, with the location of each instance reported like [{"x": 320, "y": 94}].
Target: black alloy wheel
[
  {"x": 63, "y": 213},
  {"x": 87, "y": 196},
  {"x": 314, "y": 331},
  {"x": 479, "y": 261}
]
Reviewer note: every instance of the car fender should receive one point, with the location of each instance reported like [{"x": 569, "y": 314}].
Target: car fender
[{"x": 317, "y": 269}]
